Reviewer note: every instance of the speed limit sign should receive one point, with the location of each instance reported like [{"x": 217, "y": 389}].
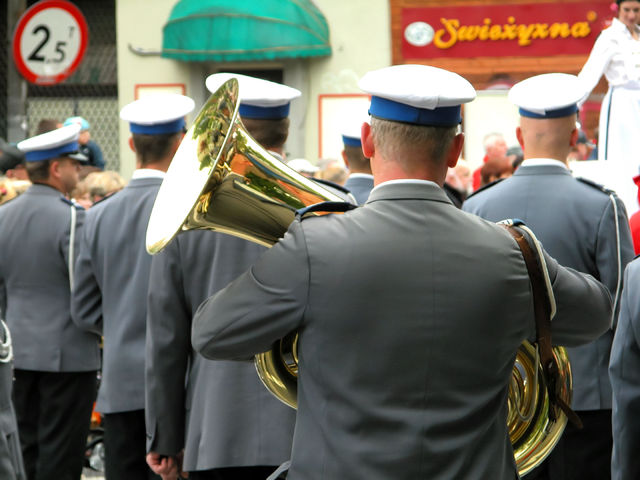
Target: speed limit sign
[{"x": 49, "y": 42}]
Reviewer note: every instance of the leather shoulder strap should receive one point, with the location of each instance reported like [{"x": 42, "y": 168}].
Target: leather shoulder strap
[{"x": 542, "y": 312}]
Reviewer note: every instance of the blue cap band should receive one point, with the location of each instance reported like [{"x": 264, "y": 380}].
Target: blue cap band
[
  {"x": 159, "y": 128},
  {"x": 400, "y": 112},
  {"x": 40, "y": 155},
  {"x": 351, "y": 141},
  {"x": 562, "y": 112},
  {"x": 266, "y": 113}
]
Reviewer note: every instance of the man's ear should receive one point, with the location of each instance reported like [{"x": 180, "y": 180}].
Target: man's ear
[
  {"x": 54, "y": 168},
  {"x": 520, "y": 137},
  {"x": 344, "y": 159},
  {"x": 456, "y": 149},
  {"x": 368, "y": 148},
  {"x": 574, "y": 137},
  {"x": 131, "y": 144}
]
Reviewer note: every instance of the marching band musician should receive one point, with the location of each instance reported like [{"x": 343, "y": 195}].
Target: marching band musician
[
  {"x": 213, "y": 416},
  {"x": 583, "y": 226},
  {"x": 409, "y": 311},
  {"x": 112, "y": 279},
  {"x": 11, "y": 464},
  {"x": 55, "y": 362},
  {"x": 624, "y": 368}
]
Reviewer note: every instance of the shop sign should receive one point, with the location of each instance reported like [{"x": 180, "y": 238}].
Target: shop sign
[{"x": 538, "y": 29}]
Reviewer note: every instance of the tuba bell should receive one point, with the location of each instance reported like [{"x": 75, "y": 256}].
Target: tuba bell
[{"x": 221, "y": 179}]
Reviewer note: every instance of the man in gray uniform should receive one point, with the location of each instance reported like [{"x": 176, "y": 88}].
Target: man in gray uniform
[
  {"x": 409, "y": 327},
  {"x": 233, "y": 427},
  {"x": 624, "y": 369},
  {"x": 112, "y": 279},
  {"x": 11, "y": 466},
  {"x": 582, "y": 226},
  {"x": 360, "y": 180},
  {"x": 55, "y": 362}
]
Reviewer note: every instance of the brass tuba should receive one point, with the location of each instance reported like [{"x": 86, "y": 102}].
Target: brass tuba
[{"x": 221, "y": 179}]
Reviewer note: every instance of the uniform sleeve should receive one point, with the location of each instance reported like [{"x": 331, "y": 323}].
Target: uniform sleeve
[
  {"x": 624, "y": 370},
  {"x": 86, "y": 297},
  {"x": 583, "y": 306},
  {"x": 260, "y": 307},
  {"x": 614, "y": 249},
  {"x": 168, "y": 350},
  {"x": 598, "y": 61}
]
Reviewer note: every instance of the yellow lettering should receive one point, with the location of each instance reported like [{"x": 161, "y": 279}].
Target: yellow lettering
[
  {"x": 451, "y": 27},
  {"x": 524, "y": 34},
  {"x": 510, "y": 31},
  {"x": 495, "y": 32},
  {"x": 468, "y": 33},
  {"x": 484, "y": 30},
  {"x": 560, "y": 30},
  {"x": 453, "y": 33},
  {"x": 542, "y": 31},
  {"x": 580, "y": 30}
]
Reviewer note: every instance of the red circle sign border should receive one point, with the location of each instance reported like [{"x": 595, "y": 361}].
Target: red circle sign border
[{"x": 22, "y": 23}]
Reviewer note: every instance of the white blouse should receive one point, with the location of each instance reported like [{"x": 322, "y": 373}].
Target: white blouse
[{"x": 616, "y": 55}]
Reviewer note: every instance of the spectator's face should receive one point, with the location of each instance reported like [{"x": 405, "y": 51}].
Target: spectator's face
[
  {"x": 629, "y": 13},
  {"x": 498, "y": 149},
  {"x": 84, "y": 137},
  {"x": 18, "y": 173}
]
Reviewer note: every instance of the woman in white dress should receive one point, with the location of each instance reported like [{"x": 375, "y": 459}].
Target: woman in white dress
[{"x": 616, "y": 54}]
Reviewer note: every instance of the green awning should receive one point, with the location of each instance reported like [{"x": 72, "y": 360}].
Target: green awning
[{"x": 245, "y": 30}]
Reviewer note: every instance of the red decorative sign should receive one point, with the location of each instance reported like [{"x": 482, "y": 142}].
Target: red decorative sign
[
  {"x": 49, "y": 41},
  {"x": 503, "y": 30}
]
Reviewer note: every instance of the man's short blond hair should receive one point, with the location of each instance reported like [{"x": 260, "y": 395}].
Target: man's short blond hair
[{"x": 397, "y": 140}]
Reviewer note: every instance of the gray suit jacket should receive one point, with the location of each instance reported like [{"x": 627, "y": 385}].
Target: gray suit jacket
[
  {"x": 410, "y": 313},
  {"x": 224, "y": 416},
  {"x": 360, "y": 188},
  {"x": 34, "y": 283},
  {"x": 625, "y": 379},
  {"x": 579, "y": 227},
  {"x": 110, "y": 293},
  {"x": 11, "y": 466}
]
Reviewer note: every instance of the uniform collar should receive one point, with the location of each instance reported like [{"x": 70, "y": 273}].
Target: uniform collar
[
  {"x": 540, "y": 162},
  {"x": 368, "y": 176},
  {"x": 408, "y": 189},
  {"x": 147, "y": 173}
]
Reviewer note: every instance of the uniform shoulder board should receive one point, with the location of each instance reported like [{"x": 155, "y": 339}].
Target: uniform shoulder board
[
  {"x": 325, "y": 207},
  {"x": 72, "y": 203},
  {"x": 595, "y": 185},
  {"x": 485, "y": 187}
]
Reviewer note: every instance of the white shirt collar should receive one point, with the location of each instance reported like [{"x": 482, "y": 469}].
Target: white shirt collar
[
  {"x": 361, "y": 175},
  {"x": 539, "y": 162},
  {"x": 147, "y": 173},
  {"x": 411, "y": 181}
]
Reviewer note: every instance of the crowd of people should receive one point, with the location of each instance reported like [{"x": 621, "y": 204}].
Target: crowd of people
[{"x": 409, "y": 300}]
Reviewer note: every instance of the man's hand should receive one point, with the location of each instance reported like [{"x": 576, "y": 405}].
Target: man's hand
[{"x": 166, "y": 467}]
